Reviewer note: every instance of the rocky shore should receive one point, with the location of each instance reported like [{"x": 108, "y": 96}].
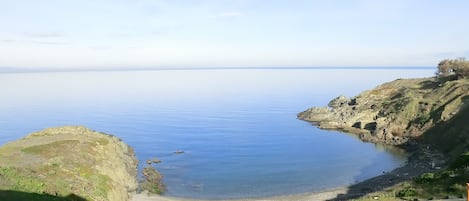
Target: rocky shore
[
  {"x": 394, "y": 112},
  {"x": 427, "y": 116}
]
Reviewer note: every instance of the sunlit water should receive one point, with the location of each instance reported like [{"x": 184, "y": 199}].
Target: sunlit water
[{"x": 238, "y": 128}]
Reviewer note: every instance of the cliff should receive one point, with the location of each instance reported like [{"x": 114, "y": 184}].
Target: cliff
[
  {"x": 67, "y": 163},
  {"x": 394, "y": 112},
  {"x": 428, "y": 111}
]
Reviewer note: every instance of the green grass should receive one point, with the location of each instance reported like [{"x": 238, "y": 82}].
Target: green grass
[
  {"x": 56, "y": 182},
  {"x": 50, "y": 149},
  {"x": 19, "y": 180},
  {"x": 63, "y": 174},
  {"x": 99, "y": 183},
  {"x": 440, "y": 185}
]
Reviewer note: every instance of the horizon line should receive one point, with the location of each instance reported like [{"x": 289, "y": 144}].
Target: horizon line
[{"x": 58, "y": 70}]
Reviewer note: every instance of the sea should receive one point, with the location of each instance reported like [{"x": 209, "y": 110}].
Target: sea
[{"x": 237, "y": 127}]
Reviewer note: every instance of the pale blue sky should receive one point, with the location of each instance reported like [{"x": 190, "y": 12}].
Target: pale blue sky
[{"x": 231, "y": 33}]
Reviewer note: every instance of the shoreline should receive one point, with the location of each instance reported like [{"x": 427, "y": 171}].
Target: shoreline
[
  {"x": 421, "y": 159},
  {"x": 321, "y": 195}
]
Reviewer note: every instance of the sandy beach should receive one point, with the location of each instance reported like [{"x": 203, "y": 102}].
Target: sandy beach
[{"x": 324, "y": 195}]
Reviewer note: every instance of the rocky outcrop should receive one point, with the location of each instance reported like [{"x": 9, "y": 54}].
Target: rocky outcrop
[
  {"x": 393, "y": 112},
  {"x": 153, "y": 183},
  {"x": 69, "y": 160}
]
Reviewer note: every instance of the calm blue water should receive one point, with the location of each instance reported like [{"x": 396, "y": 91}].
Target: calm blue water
[{"x": 238, "y": 128}]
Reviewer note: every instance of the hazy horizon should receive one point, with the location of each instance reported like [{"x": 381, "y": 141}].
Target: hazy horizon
[{"x": 97, "y": 69}]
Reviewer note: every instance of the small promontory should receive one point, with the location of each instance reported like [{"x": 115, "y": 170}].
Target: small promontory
[
  {"x": 394, "y": 112},
  {"x": 67, "y": 163}
]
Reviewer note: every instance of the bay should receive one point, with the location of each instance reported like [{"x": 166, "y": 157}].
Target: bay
[{"x": 237, "y": 127}]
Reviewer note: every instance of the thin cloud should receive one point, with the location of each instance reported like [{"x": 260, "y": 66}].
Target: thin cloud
[
  {"x": 44, "y": 35},
  {"x": 100, "y": 47},
  {"x": 162, "y": 30},
  {"x": 39, "y": 38},
  {"x": 227, "y": 15},
  {"x": 48, "y": 42},
  {"x": 8, "y": 41},
  {"x": 451, "y": 54},
  {"x": 121, "y": 34},
  {"x": 230, "y": 14},
  {"x": 37, "y": 42}
]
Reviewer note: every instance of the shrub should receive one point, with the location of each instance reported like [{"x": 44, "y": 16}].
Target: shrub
[
  {"x": 458, "y": 67},
  {"x": 408, "y": 192},
  {"x": 427, "y": 177},
  {"x": 461, "y": 162}
]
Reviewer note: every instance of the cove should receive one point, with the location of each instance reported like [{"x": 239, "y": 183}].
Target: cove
[{"x": 237, "y": 127}]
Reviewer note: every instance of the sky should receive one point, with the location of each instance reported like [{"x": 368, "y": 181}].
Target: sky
[{"x": 230, "y": 33}]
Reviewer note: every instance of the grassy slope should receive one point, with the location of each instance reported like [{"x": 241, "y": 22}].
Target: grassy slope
[
  {"x": 451, "y": 137},
  {"x": 65, "y": 163},
  {"x": 414, "y": 105},
  {"x": 56, "y": 174}
]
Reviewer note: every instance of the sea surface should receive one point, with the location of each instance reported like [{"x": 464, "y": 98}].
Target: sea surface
[{"x": 237, "y": 127}]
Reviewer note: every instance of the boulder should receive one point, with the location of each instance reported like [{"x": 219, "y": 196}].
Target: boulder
[{"x": 339, "y": 102}]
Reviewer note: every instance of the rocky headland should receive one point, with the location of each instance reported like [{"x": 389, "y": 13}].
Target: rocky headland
[
  {"x": 394, "y": 112},
  {"x": 426, "y": 116},
  {"x": 67, "y": 163}
]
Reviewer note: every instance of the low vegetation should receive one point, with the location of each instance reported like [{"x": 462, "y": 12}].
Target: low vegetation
[{"x": 67, "y": 163}]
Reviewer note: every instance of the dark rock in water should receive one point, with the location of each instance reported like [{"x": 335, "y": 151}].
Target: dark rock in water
[
  {"x": 151, "y": 174},
  {"x": 153, "y": 181},
  {"x": 179, "y": 152},
  {"x": 150, "y": 161}
]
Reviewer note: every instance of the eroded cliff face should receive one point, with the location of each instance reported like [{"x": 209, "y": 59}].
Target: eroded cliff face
[
  {"x": 69, "y": 160},
  {"x": 393, "y": 112}
]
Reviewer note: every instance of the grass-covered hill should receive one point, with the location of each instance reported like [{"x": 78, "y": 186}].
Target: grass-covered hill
[{"x": 67, "y": 163}]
